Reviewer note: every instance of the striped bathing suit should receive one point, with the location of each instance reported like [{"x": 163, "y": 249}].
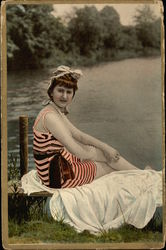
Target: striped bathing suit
[{"x": 46, "y": 147}]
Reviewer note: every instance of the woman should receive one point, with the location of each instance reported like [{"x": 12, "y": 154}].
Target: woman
[{"x": 65, "y": 156}]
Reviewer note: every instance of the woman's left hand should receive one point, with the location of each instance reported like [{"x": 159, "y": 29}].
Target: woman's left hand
[{"x": 111, "y": 154}]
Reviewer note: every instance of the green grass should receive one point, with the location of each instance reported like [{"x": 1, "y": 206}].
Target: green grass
[
  {"x": 47, "y": 230},
  {"x": 28, "y": 223}
]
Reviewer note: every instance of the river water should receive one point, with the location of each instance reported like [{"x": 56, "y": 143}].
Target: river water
[{"x": 118, "y": 102}]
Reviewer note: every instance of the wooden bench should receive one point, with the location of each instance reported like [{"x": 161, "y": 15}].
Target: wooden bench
[{"x": 21, "y": 193}]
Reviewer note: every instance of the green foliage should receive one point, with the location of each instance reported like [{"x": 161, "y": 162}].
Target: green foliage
[
  {"x": 29, "y": 33},
  {"x": 25, "y": 208},
  {"x": 85, "y": 31},
  {"x": 128, "y": 39},
  {"x": 148, "y": 28},
  {"x": 13, "y": 171},
  {"x": 144, "y": 15},
  {"x": 111, "y": 27},
  {"x": 37, "y": 38},
  {"x": 13, "y": 175}
]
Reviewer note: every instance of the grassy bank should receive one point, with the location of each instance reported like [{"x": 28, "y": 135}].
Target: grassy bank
[
  {"x": 50, "y": 231},
  {"x": 39, "y": 228}
]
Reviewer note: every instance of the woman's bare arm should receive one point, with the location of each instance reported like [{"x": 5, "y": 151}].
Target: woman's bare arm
[
  {"x": 86, "y": 139},
  {"x": 101, "y": 147},
  {"x": 59, "y": 129},
  {"x": 83, "y": 137}
]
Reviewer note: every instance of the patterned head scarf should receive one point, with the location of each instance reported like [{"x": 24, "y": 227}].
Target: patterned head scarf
[{"x": 64, "y": 74}]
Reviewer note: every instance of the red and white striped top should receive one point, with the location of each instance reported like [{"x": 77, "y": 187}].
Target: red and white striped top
[{"x": 46, "y": 146}]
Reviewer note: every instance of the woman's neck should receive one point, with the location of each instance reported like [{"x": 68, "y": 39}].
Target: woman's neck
[{"x": 55, "y": 106}]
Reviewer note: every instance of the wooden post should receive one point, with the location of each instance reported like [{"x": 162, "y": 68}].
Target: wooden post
[{"x": 23, "y": 128}]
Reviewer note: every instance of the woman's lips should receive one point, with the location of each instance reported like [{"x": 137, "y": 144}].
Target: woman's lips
[{"x": 63, "y": 101}]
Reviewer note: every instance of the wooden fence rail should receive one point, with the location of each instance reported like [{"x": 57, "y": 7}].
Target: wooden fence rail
[{"x": 23, "y": 132}]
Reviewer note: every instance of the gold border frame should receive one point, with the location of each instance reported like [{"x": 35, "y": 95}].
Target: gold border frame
[{"x": 4, "y": 161}]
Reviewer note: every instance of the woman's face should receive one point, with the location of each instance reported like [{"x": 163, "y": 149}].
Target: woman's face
[{"x": 62, "y": 96}]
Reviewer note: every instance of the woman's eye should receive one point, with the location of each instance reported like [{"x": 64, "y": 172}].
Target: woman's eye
[
  {"x": 60, "y": 90},
  {"x": 69, "y": 92}
]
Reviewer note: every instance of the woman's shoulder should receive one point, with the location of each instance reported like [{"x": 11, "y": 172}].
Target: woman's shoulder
[
  {"x": 47, "y": 109},
  {"x": 44, "y": 117},
  {"x": 44, "y": 111},
  {"x": 49, "y": 113}
]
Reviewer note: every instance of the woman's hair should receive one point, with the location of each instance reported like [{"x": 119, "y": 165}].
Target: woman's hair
[{"x": 66, "y": 81}]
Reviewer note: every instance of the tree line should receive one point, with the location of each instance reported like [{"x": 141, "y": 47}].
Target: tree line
[{"x": 36, "y": 38}]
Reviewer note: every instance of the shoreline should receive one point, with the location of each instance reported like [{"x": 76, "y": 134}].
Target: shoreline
[{"x": 89, "y": 64}]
